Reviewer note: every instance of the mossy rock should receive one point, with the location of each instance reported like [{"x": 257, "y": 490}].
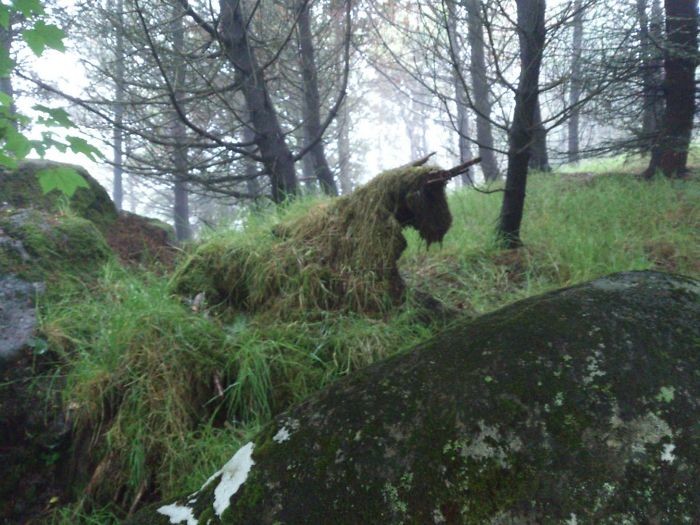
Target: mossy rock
[
  {"x": 577, "y": 406},
  {"x": 20, "y": 189},
  {"x": 35, "y": 244}
]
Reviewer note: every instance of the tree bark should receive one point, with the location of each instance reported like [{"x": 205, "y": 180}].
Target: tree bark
[
  {"x": 575, "y": 83},
  {"x": 181, "y": 211},
  {"x": 539, "y": 158},
  {"x": 650, "y": 36},
  {"x": 118, "y": 132},
  {"x": 344, "y": 172},
  {"x": 670, "y": 153},
  {"x": 276, "y": 157},
  {"x": 480, "y": 90},
  {"x": 531, "y": 33},
  {"x": 311, "y": 106},
  {"x": 343, "y": 121},
  {"x": 461, "y": 99}
]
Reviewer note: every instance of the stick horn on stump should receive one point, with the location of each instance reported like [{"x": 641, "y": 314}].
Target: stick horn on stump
[{"x": 445, "y": 175}]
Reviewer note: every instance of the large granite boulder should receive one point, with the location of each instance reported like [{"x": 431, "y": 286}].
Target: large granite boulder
[{"x": 578, "y": 406}]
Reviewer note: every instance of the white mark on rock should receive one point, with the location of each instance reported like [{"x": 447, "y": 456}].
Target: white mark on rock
[
  {"x": 233, "y": 475},
  {"x": 666, "y": 394},
  {"x": 593, "y": 367},
  {"x": 489, "y": 444},
  {"x": 667, "y": 453},
  {"x": 178, "y": 514},
  {"x": 572, "y": 520},
  {"x": 559, "y": 399},
  {"x": 281, "y": 436}
]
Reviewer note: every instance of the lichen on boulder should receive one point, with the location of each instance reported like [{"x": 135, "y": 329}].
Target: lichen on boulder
[
  {"x": 342, "y": 254},
  {"x": 577, "y": 406}
]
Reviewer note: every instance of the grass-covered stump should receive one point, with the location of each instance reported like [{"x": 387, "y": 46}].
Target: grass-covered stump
[
  {"x": 20, "y": 188},
  {"x": 342, "y": 254},
  {"x": 577, "y": 406}
]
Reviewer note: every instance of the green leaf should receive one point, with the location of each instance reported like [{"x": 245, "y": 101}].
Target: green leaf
[
  {"x": 16, "y": 143},
  {"x": 7, "y": 162},
  {"x": 4, "y": 16},
  {"x": 55, "y": 116},
  {"x": 28, "y": 7},
  {"x": 5, "y": 99},
  {"x": 6, "y": 63},
  {"x": 44, "y": 35},
  {"x": 63, "y": 179},
  {"x": 80, "y": 145}
]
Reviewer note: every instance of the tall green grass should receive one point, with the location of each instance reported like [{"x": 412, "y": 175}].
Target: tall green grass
[
  {"x": 165, "y": 393},
  {"x": 574, "y": 229},
  {"x": 155, "y": 388}
]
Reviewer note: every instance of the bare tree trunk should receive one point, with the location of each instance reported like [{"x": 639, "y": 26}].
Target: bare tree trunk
[
  {"x": 344, "y": 174},
  {"x": 276, "y": 157},
  {"x": 118, "y": 132},
  {"x": 414, "y": 117},
  {"x": 181, "y": 211},
  {"x": 539, "y": 159},
  {"x": 670, "y": 153},
  {"x": 649, "y": 38},
  {"x": 531, "y": 32},
  {"x": 465, "y": 152},
  {"x": 575, "y": 84},
  {"x": 480, "y": 89},
  {"x": 343, "y": 121},
  {"x": 250, "y": 167},
  {"x": 312, "y": 103},
  {"x": 461, "y": 99}
]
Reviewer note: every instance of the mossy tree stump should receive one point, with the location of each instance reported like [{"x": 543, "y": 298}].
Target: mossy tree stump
[{"x": 342, "y": 254}]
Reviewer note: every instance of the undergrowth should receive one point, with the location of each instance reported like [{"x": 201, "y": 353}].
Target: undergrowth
[
  {"x": 574, "y": 229},
  {"x": 164, "y": 390}
]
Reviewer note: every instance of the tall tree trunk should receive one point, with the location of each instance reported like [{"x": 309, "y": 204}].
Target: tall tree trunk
[
  {"x": 250, "y": 167},
  {"x": 344, "y": 173},
  {"x": 343, "y": 121},
  {"x": 670, "y": 153},
  {"x": 181, "y": 211},
  {"x": 276, "y": 157},
  {"x": 531, "y": 33},
  {"x": 650, "y": 35},
  {"x": 312, "y": 103},
  {"x": 414, "y": 120},
  {"x": 480, "y": 89},
  {"x": 6, "y": 38},
  {"x": 118, "y": 132},
  {"x": 539, "y": 159},
  {"x": 461, "y": 99},
  {"x": 575, "y": 84},
  {"x": 463, "y": 143}
]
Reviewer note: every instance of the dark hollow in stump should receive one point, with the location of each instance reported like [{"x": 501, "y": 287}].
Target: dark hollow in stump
[{"x": 342, "y": 254}]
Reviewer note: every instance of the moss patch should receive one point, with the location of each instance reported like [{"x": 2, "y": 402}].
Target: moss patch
[{"x": 36, "y": 245}]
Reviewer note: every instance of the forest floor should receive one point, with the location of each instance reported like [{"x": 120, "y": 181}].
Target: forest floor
[{"x": 168, "y": 388}]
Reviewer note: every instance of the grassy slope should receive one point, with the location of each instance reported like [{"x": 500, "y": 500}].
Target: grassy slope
[{"x": 188, "y": 387}]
